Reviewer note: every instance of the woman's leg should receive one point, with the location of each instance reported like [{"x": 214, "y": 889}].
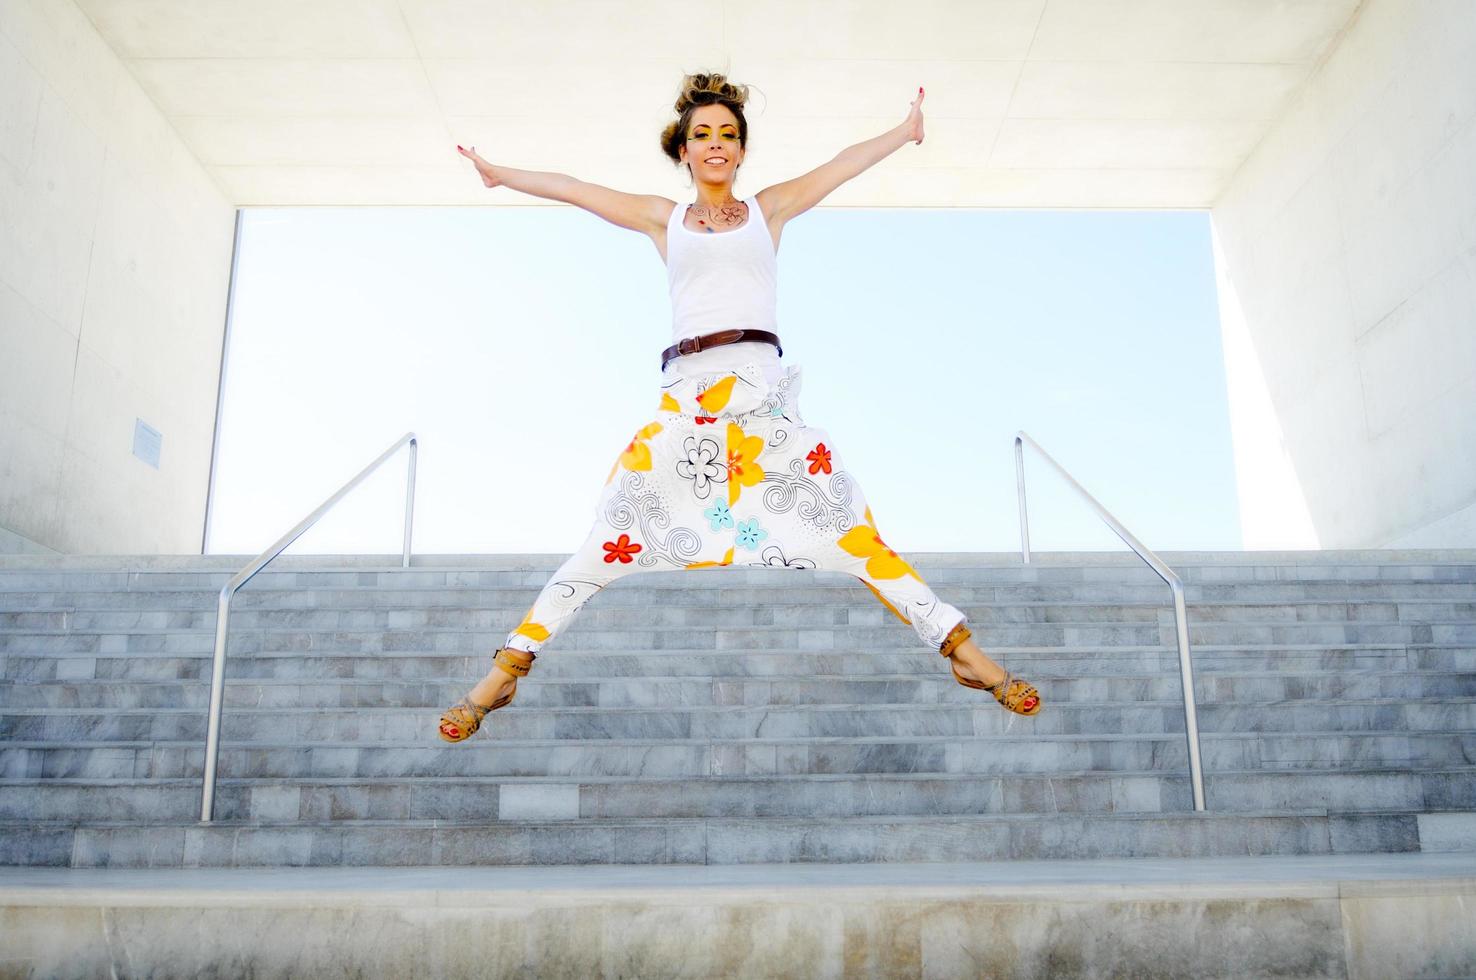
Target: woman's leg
[
  {"x": 897, "y": 585},
  {"x": 813, "y": 511},
  {"x": 605, "y": 555},
  {"x": 636, "y": 528}
]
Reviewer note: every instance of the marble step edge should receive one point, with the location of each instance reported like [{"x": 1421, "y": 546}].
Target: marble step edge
[
  {"x": 1214, "y": 816},
  {"x": 1143, "y": 663},
  {"x": 1161, "y": 611},
  {"x": 825, "y": 580},
  {"x": 207, "y": 631},
  {"x": 1075, "y": 650},
  {"x": 757, "y": 577},
  {"x": 435, "y": 823},
  {"x": 258, "y": 601},
  {"x": 126, "y": 782},
  {"x": 1037, "y": 678},
  {"x": 1082, "y": 650},
  {"x": 777, "y": 740},
  {"x": 520, "y": 559},
  {"x": 889, "y": 707}
]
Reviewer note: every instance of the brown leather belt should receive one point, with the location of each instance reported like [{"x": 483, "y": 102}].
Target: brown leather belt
[{"x": 691, "y": 345}]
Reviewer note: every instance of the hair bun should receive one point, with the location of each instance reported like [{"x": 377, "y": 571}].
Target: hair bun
[{"x": 707, "y": 88}]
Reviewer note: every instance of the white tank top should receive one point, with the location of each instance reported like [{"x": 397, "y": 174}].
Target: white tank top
[{"x": 719, "y": 280}]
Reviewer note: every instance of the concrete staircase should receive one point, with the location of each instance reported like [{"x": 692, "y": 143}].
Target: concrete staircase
[{"x": 732, "y": 715}]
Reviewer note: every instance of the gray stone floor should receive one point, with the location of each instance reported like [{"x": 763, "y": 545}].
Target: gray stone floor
[{"x": 1095, "y": 879}]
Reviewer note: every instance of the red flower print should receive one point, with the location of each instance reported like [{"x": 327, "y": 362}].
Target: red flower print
[
  {"x": 819, "y": 459},
  {"x": 705, "y": 419},
  {"x": 621, "y": 548}
]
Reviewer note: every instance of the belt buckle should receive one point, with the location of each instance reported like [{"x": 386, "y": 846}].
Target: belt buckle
[{"x": 688, "y": 345}]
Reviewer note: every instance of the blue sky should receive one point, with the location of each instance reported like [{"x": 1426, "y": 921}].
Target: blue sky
[{"x": 521, "y": 345}]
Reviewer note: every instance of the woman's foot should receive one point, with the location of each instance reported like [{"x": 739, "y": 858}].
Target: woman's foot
[
  {"x": 460, "y": 721},
  {"x": 970, "y": 662},
  {"x": 493, "y": 687},
  {"x": 973, "y": 664}
]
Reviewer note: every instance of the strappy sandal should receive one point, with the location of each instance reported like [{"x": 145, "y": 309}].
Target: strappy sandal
[
  {"x": 1014, "y": 693},
  {"x": 461, "y": 721}
]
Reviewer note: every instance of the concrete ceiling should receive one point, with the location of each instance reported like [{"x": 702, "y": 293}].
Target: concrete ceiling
[{"x": 1030, "y": 103}]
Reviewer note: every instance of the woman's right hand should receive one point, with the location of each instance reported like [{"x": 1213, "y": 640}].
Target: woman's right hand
[{"x": 488, "y": 172}]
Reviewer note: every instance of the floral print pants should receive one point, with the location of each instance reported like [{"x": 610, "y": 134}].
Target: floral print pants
[{"x": 729, "y": 474}]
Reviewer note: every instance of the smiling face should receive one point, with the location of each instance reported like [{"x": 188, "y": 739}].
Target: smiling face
[{"x": 712, "y": 135}]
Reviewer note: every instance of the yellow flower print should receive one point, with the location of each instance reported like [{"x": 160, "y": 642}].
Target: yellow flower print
[
  {"x": 743, "y": 467},
  {"x": 864, "y": 541},
  {"x": 713, "y": 399},
  {"x": 727, "y": 560},
  {"x": 668, "y": 403},
  {"x": 636, "y": 455},
  {"x": 530, "y": 629}
]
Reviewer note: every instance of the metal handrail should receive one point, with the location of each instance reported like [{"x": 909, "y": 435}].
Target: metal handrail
[
  {"x": 1181, "y": 622},
  {"x": 223, "y": 614}
]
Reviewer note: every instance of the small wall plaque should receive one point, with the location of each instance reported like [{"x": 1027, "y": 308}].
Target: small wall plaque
[{"x": 146, "y": 442}]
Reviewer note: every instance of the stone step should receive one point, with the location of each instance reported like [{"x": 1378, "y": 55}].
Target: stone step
[
  {"x": 463, "y": 562},
  {"x": 735, "y": 715},
  {"x": 1339, "y": 915},
  {"x": 760, "y": 580},
  {"x": 576, "y": 665},
  {"x": 931, "y": 682},
  {"x": 726, "y": 614},
  {"x": 846, "y": 594},
  {"x": 891, "y": 717},
  {"x": 470, "y": 798},
  {"x": 585, "y": 635},
  {"x": 630, "y": 593},
  {"x": 709, "y": 840},
  {"x": 678, "y": 754}
]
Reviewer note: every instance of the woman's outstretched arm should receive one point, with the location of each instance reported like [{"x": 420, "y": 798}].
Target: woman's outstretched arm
[
  {"x": 638, "y": 212},
  {"x": 794, "y": 197}
]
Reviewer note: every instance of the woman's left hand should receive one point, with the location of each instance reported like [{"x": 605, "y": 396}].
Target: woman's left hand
[{"x": 913, "y": 124}]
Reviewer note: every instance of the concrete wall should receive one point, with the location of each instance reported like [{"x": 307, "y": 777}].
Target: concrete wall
[
  {"x": 115, "y": 252},
  {"x": 1347, "y": 253}
]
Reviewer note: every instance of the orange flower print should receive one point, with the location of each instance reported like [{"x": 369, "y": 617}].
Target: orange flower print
[
  {"x": 621, "y": 548},
  {"x": 743, "y": 467},
  {"x": 530, "y": 629},
  {"x": 819, "y": 459},
  {"x": 715, "y": 397},
  {"x": 727, "y": 560},
  {"x": 864, "y": 541},
  {"x": 636, "y": 455}
]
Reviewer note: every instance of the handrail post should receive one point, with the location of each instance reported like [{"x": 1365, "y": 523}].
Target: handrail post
[
  {"x": 1020, "y": 497},
  {"x": 223, "y": 608},
  {"x": 409, "y": 503},
  {"x": 1175, "y": 584},
  {"x": 1186, "y": 681}
]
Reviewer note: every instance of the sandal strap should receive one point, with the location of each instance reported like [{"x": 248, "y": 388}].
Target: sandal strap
[
  {"x": 470, "y": 708},
  {"x": 1005, "y": 693},
  {"x": 955, "y": 636},
  {"x": 466, "y": 715},
  {"x": 515, "y": 662}
]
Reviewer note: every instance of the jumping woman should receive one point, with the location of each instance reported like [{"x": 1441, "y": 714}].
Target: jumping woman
[{"x": 727, "y": 472}]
